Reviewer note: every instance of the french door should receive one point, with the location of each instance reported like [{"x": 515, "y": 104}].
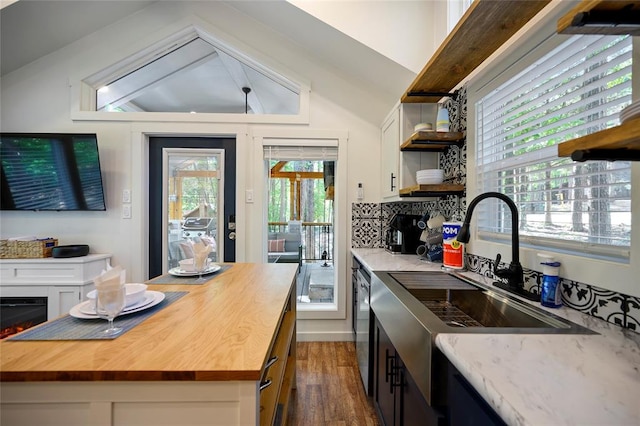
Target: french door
[{"x": 191, "y": 198}]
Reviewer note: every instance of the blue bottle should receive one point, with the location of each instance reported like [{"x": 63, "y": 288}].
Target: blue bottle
[{"x": 550, "y": 295}]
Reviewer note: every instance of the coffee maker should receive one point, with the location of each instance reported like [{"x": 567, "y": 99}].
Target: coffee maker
[{"x": 403, "y": 235}]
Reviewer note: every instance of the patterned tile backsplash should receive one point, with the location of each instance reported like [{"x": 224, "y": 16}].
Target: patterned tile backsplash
[
  {"x": 607, "y": 305},
  {"x": 370, "y": 224}
]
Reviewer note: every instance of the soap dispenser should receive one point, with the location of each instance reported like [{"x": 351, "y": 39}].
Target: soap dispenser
[{"x": 550, "y": 294}]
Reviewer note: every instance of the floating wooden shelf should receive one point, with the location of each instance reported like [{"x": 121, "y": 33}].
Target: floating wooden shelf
[
  {"x": 600, "y": 11},
  {"x": 432, "y": 190},
  {"x": 485, "y": 26},
  {"x": 625, "y": 138},
  {"x": 432, "y": 141}
]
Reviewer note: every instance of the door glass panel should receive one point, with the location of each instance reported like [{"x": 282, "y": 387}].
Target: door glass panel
[
  {"x": 194, "y": 197},
  {"x": 300, "y": 225}
]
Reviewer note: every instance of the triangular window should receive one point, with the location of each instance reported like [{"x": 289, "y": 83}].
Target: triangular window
[{"x": 194, "y": 73}]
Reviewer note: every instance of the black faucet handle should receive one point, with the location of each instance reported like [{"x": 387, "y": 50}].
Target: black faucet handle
[
  {"x": 497, "y": 262},
  {"x": 502, "y": 272}
]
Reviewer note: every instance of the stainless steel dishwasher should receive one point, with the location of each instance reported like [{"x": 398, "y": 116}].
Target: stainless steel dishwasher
[{"x": 363, "y": 328}]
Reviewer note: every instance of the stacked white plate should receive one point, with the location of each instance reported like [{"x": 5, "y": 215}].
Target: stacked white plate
[
  {"x": 630, "y": 112},
  {"x": 429, "y": 176}
]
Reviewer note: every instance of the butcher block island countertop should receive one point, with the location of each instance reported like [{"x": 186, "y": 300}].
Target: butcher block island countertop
[{"x": 205, "y": 354}]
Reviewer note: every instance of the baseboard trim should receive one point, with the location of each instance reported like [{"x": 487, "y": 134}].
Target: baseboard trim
[{"x": 310, "y": 336}]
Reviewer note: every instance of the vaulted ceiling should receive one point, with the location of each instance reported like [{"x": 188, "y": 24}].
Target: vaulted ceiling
[{"x": 31, "y": 29}]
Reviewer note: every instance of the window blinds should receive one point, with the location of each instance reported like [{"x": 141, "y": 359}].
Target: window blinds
[
  {"x": 576, "y": 89},
  {"x": 300, "y": 150}
]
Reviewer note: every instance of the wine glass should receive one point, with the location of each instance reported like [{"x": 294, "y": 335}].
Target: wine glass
[
  {"x": 200, "y": 264},
  {"x": 109, "y": 304}
]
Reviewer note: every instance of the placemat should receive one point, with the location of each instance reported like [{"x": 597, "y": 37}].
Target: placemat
[
  {"x": 70, "y": 328},
  {"x": 176, "y": 280}
]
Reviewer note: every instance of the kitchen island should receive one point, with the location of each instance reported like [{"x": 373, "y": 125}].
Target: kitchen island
[
  {"x": 541, "y": 379},
  {"x": 200, "y": 360}
]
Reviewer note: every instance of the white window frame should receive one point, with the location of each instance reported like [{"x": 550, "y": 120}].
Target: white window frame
[
  {"x": 83, "y": 88},
  {"x": 312, "y": 139},
  {"x": 498, "y": 69},
  {"x": 492, "y": 114}
]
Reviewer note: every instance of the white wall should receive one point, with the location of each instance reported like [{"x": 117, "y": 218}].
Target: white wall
[
  {"x": 36, "y": 98},
  {"x": 392, "y": 28}
]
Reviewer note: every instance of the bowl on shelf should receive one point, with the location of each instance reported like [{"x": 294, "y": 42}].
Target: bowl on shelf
[
  {"x": 423, "y": 127},
  {"x": 429, "y": 181},
  {"x": 429, "y": 176}
]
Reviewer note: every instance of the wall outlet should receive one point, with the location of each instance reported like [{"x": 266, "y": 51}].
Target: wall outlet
[{"x": 126, "y": 195}]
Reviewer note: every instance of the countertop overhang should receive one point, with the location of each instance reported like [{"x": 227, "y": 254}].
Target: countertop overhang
[{"x": 220, "y": 331}]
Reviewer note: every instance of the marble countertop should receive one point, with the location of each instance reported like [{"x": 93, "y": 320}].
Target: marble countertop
[{"x": 542, "y": 379}]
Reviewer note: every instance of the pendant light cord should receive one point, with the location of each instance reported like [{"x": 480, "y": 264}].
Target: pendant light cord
[{"x": 246, "y": 91}]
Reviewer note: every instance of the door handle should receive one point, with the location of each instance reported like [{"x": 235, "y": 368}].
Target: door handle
[
  {"x": 265, "y": 384},
  {"x": 271, "y": 362},
  {"x": 400, "y": 377},
  {"x": 389, "y": 367}
]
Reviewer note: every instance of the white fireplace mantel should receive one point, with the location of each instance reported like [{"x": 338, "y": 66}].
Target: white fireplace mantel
[{"x": 64, "y": 281}]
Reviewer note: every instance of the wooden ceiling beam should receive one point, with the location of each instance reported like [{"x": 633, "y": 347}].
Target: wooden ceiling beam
[{"x": 278, "y": 166}]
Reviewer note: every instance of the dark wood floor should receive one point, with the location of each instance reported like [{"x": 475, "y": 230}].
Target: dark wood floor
[{"x": 329, "y": 389}]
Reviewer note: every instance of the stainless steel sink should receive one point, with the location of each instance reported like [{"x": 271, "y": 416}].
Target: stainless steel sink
[
  {"x": 414, "y": 307},
  {"x": 459, "y": 303}
]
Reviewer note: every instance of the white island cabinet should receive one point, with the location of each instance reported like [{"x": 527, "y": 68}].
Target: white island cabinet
[
  {"x": 220, "y": 353},
  {"x": 63, "y": 281}
]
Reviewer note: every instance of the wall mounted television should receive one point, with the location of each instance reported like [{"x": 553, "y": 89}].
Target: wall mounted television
[{"x": 50, "y": 171}]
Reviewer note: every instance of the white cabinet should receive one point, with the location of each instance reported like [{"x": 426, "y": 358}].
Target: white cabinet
[
  {"x": 390, "y": 154},
  {"x": 63, "y": 281},
  {"x": 399, "y": 167}
]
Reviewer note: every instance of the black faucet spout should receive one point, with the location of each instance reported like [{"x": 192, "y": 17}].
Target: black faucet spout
[{"x": 514, "y": 273}]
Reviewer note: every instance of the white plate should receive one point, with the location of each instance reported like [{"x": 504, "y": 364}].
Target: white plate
[
  {"x": 77, "y": 311},
  {"x": 630, "y": 112},
  {"x": 630, "y": 115},
  {"x": 182, "y": 273},
  {"x": 148, "y": 297}
]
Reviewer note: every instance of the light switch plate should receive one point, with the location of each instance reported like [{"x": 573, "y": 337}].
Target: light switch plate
[{"x": 126, "y": 211}]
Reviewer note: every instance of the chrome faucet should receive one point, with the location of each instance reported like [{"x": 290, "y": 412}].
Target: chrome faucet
[{"x": 513, "y": 274}]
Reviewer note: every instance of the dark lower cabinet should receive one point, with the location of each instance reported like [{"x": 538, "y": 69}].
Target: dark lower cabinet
[
  {"x": 465, "y": 406},
  {"x": 396, "y": 395},
  {"x": 400, "y": 403}
]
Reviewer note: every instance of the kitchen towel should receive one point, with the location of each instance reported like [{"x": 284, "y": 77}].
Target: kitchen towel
[
  {"x": 177, "y": 280},
  {"x": 70, "y": 328}
]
